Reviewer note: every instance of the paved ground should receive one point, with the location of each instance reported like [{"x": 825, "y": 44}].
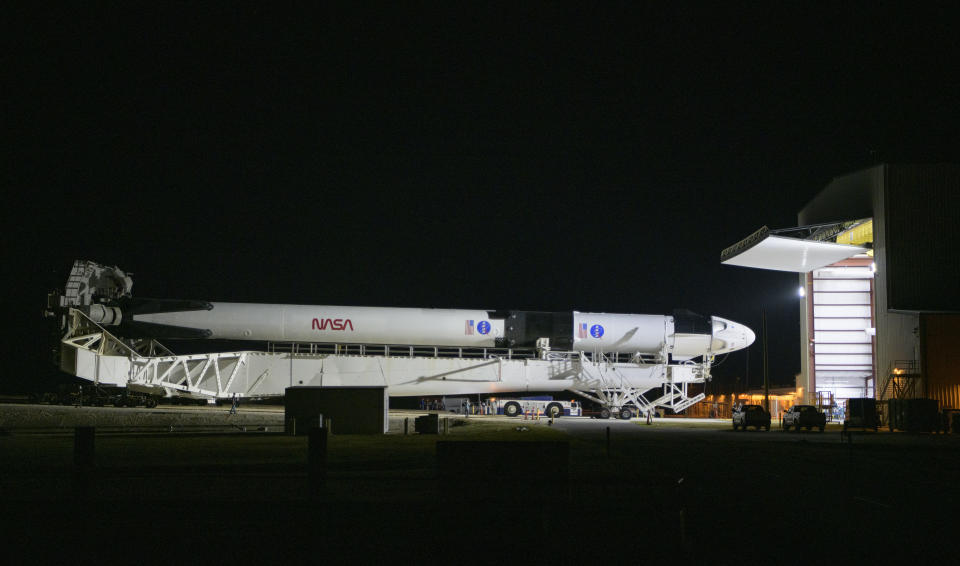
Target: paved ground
[{"x": 677, "y": 490}]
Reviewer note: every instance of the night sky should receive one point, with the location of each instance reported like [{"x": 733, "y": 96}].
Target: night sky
[{"x": 550, "y": 157}]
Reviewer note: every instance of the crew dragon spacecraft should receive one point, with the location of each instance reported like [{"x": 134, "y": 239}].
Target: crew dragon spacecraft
[{"x": 597, "y": 355}]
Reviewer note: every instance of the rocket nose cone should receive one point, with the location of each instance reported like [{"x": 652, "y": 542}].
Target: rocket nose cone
[{"x": 729, "y": 336}]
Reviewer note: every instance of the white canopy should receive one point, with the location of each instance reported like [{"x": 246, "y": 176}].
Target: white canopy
[{"x": 792, "y": 254}]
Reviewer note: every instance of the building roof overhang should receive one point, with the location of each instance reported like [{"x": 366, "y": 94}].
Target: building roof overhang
[{"x": 763, "y": 250}]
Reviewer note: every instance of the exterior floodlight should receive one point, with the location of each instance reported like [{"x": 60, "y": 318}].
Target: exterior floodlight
[
  {"x": 873, "y": 267},
  {"x": 802, "y": 291}
]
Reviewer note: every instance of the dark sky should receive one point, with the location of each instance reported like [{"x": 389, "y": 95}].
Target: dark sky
[{"x": 549, "y": 157}]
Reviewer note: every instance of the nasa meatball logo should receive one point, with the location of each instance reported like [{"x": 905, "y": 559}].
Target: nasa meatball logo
[
  {"x": 596, "y": 331},
  {"x": 483, "y": 327}
]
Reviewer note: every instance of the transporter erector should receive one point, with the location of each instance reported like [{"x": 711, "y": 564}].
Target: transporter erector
[{"x": 613, "y": 359}]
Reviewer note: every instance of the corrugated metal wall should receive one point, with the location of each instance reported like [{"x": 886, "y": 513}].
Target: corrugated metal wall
[
  {"x": 941, "y": 336},
  {"x": 921, "y": 204}
]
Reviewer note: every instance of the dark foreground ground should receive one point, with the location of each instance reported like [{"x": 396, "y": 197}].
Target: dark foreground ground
[{"x": 687, "y": 492}]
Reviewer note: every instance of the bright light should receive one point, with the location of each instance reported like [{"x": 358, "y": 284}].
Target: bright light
[
  {"x": 873, "y": 267},
  {"x": 802, "y": 291}
]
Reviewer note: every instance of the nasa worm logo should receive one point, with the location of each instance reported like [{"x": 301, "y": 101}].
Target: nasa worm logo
[
  {"x": 483, "y": 327},
  {"x": 332, "y": 324},
  {"x": 596, "y": 331}
]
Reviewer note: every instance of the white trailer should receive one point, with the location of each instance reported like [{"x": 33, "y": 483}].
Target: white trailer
[{"x": 546, "y": 407}]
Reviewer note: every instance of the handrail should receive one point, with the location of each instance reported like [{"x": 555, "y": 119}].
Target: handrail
[
  {"x": 901, "y": 378},
  {"x": 415, "y": 351}
]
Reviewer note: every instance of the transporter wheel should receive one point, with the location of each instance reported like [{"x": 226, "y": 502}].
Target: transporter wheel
[
  {"x": 554, "y": 410},
  {"x": 822, "y": 427},
  {"x": 604, "y": 413},
  {"x": 150, "y": 402},
  {"x": 626, "y": 414},
  {"x": 511, "y": 409},
  {"x": 735, "y": 427}
]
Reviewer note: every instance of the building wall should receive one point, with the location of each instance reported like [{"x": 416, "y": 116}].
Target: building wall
[
  {"x": 849, "y": 197},
  {"x": 805, "y": 381},
  {"x": 921, "y": 204},
  {"x": 897, "y": 333},
  {"x": 914, "y": 211},
  {"x": 941, "y": 357}
]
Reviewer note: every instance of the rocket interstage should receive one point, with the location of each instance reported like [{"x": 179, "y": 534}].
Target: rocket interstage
[{"x": 684, "y": 335}]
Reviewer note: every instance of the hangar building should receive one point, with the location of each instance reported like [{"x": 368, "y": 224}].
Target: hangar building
[{"x": 876, "y": 254}]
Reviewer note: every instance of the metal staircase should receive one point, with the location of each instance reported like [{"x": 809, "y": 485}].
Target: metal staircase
[
  {"x": 900, "y": 383},
  {"x": 609, "y": 388}
]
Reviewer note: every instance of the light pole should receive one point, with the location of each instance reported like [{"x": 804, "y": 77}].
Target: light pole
[{"x": 766, "y": 378}]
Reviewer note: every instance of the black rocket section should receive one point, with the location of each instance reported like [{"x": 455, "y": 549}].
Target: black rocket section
[
  {"x": 688, "y": 322},
  {"x": 133, "y": 306},
  {"x": 522, "y": 328},
  {"x": 135, "y": 329}
]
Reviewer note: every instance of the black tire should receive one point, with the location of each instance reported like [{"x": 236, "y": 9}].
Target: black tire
[
  {"x": 511, "y": 409},
  {"x": 604, "y": 413},
  {"x": 554, "y": 410},
  {"x": 822, "y": 427},
  {"x": 150, "y": 402},
  {"x": 735, "y": 427},
  {"x": 625, "y": 414}
]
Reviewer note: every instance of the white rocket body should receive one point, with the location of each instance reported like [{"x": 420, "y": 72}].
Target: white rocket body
[{"x": 624, "y": 333}]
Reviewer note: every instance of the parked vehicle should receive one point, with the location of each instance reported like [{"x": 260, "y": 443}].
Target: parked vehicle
[
  {"x": 751, "y": 415},
  {"x": 804, "y": 416}
]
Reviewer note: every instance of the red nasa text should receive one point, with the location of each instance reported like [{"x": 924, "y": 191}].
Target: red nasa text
[{"x": 332, "y": 324}]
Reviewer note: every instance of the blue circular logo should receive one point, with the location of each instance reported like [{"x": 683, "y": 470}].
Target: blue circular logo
[
  {"x": 596, "y": 331},
  {"x": 483, "y": 327}
]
